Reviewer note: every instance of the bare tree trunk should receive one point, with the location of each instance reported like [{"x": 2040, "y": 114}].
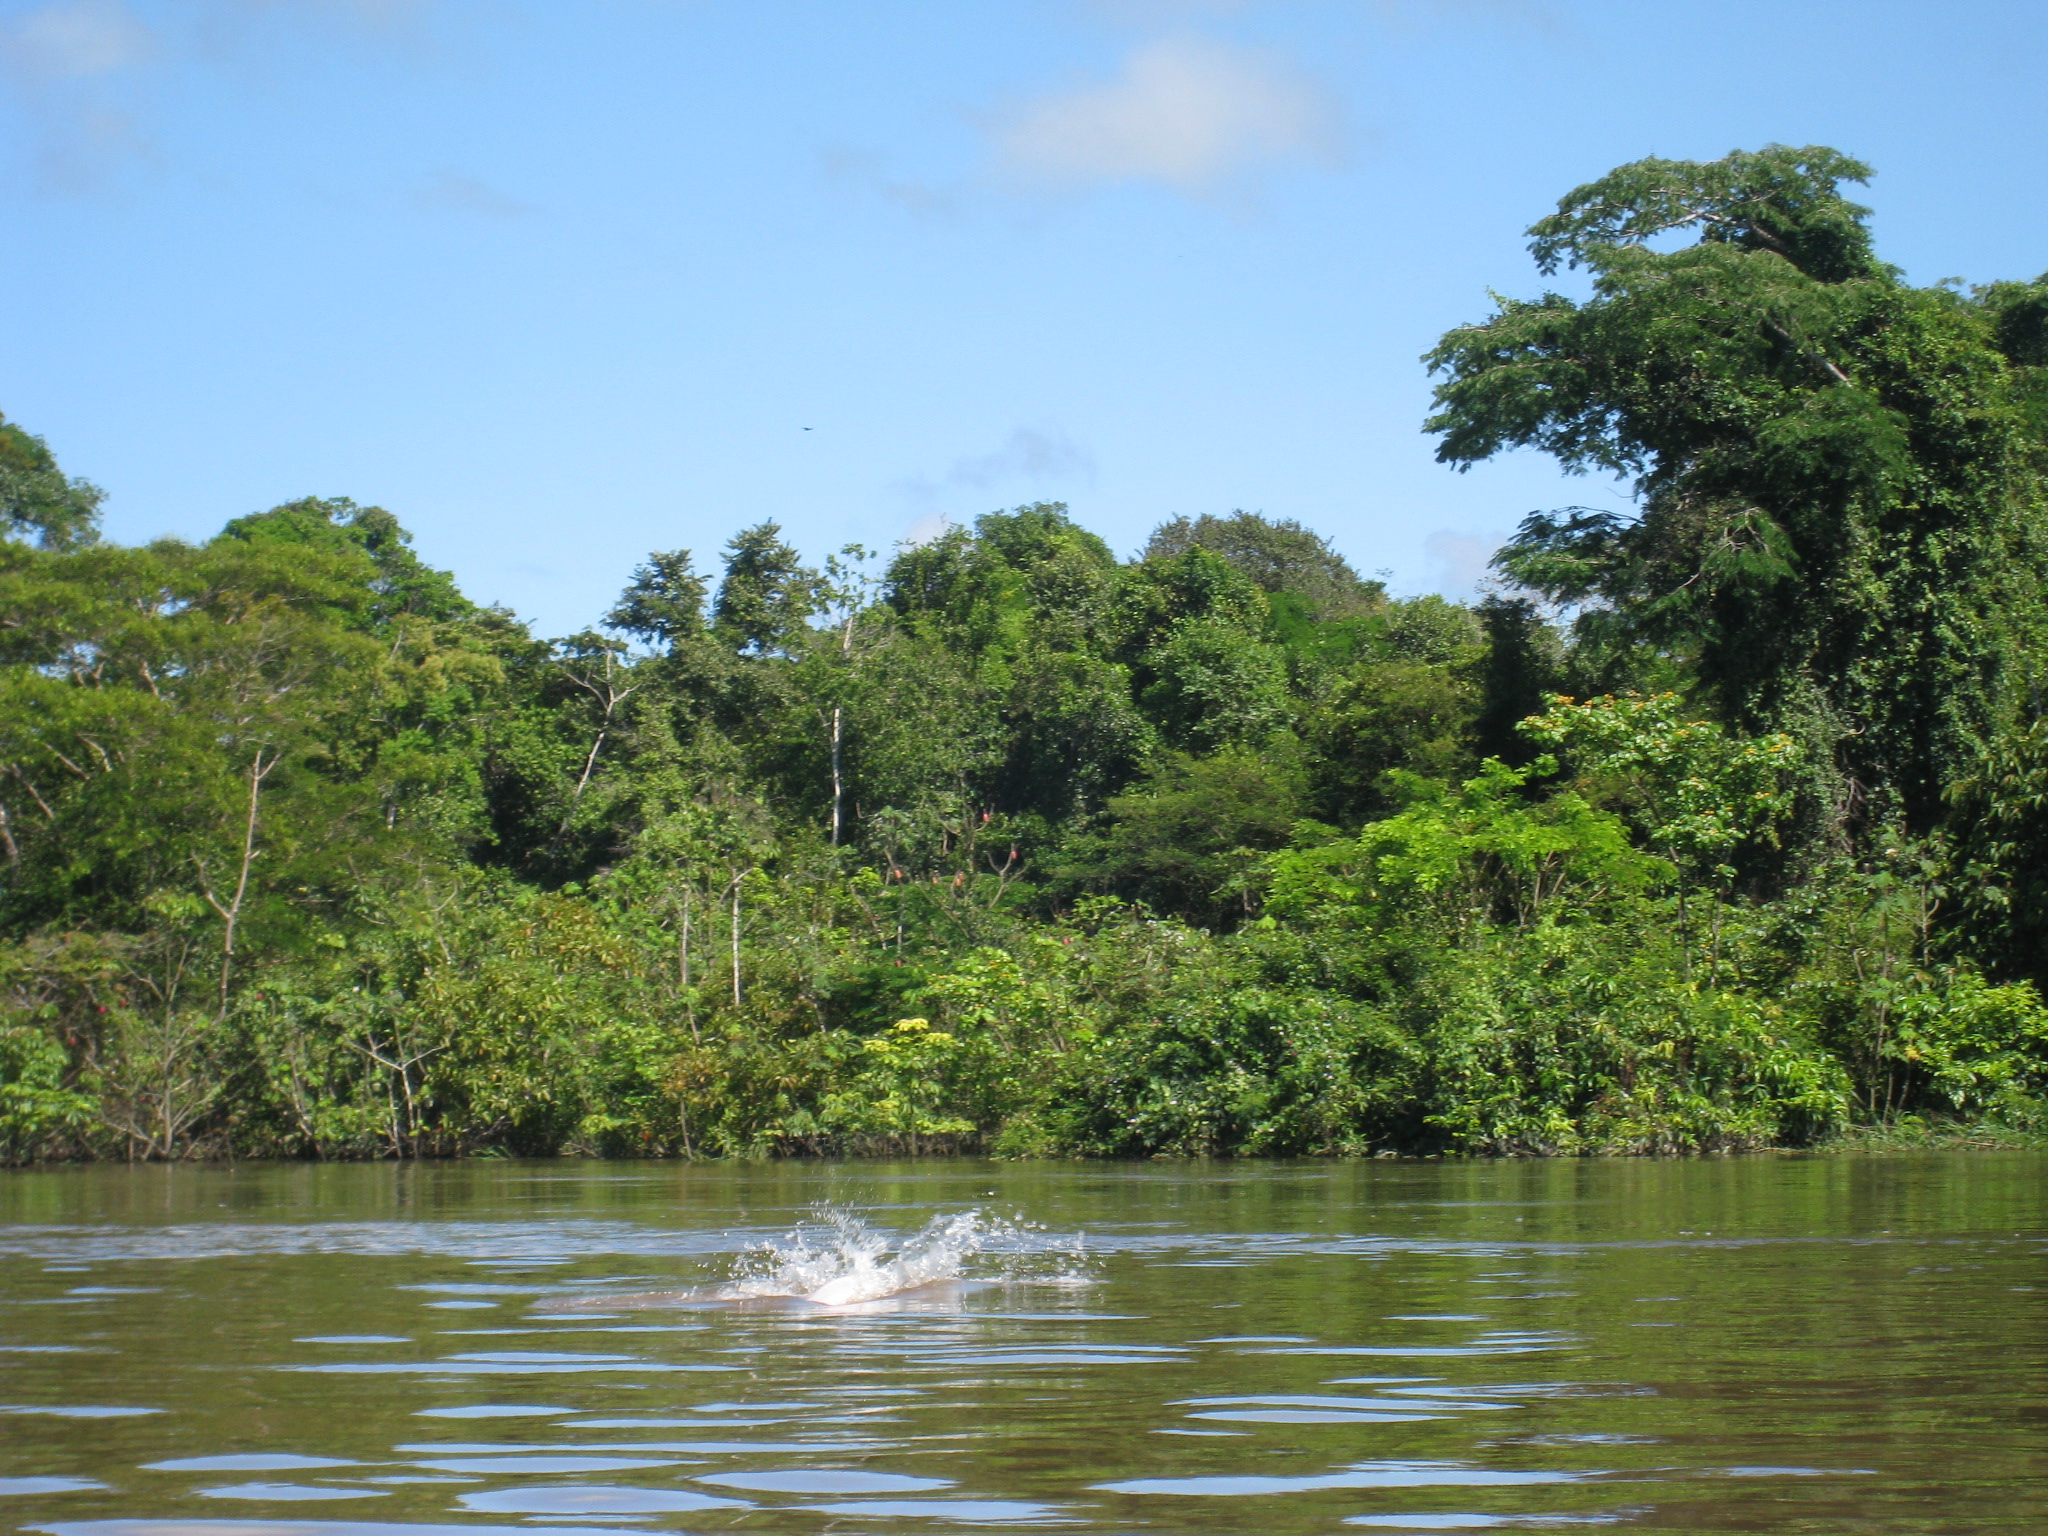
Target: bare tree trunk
[
  {"x": 398, "y": 1084},
  {"x": 590, "y": 762},
  {"x": 838, "y": 730},
  {"x": 683, "y": 971},
  {"x": 838, "y": 786},
  {"x": 736, "y": 939},
  {"x": 610, "y": 697},
  {"x": 231, "y": 911}
]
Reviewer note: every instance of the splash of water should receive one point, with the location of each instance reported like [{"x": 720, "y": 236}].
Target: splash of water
[{"x": 836, "y": 1259}]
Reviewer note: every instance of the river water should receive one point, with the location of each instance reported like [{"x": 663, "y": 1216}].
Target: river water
[{"x": 1760, "y": 1345}]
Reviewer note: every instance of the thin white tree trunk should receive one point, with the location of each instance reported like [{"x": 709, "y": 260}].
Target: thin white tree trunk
[
  {"x": 231, "y": 912},
  {"x": 736, "y": 940},
  {"x": 838, "y": 788}
]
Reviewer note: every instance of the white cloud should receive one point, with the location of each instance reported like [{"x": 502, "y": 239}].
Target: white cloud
[
  {"x": 1194, "y": 113},
  {"x": 77, "y": 40}
]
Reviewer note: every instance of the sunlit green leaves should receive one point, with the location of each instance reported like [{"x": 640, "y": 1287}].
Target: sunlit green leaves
[{"x": 1840, "y": 522}]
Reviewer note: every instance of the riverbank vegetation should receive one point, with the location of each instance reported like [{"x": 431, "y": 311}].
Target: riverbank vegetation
[{"x": 1721, "y": 824}]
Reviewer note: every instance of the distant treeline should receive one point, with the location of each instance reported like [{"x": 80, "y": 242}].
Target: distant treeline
[{"x": 1724, "y": 824}]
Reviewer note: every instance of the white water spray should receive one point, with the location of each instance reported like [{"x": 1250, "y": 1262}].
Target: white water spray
[{"x": 836, "y": 1259}]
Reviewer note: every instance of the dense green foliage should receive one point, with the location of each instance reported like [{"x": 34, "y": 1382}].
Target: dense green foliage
[{"x": 1721, "y": 826}]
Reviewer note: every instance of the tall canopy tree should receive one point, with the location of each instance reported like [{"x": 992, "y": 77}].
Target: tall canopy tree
[
  {"x": 37, "y": 499},
  {"x": 1289, "y": 562},
  {"x": 767, "y": 594},
  {"x": 1838, "y": 476},
  {"x": 664, "y": 605}
]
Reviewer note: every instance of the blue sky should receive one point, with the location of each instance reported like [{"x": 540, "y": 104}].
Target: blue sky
[{"x": 560, "y": 283}]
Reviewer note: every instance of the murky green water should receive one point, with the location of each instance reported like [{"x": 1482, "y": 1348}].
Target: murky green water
[{"x": 1809, "y": 1345}]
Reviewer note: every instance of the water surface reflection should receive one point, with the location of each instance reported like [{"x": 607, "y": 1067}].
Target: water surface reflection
[{"x": 1810, "y": 1345}]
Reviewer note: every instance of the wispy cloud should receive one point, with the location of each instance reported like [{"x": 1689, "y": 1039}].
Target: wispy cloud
[
  {"x": 1028, "y": 455},
  {"x": 866, "y": 170},
  {"x": 76, "y": 40},
  {"x": 1155, "y": 11},
  {"x": 376, "y": 12},
  {"x": 258, "y": 35},
  {"x": 1193, "y": 113},
  {"x": 1460, "y": 563},
  {"x": 84, "y": 39},
  {"x": 68, "y": 63},
  {"x": 451, "y": 192},
  {"x": 84, "y": 72},
  {"x": 1035, "y": 458},
  {"x": 90, "y": 146}
]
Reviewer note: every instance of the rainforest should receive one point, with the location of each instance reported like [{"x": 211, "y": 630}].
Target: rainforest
[{"x": 1719, "y": 825}]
